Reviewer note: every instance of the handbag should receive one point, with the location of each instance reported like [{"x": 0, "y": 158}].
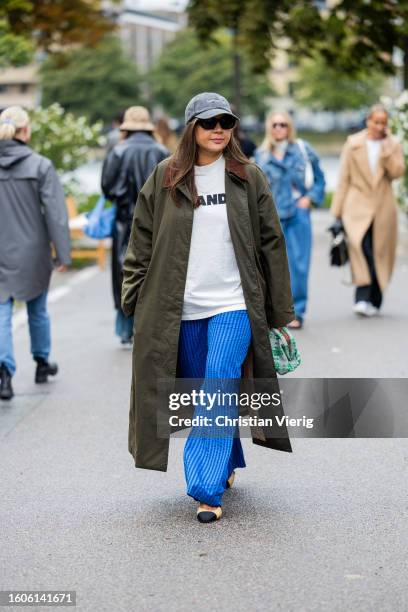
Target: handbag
[
  {"x": 309, "y": 174},
  {"x": 285, "y": 353},
  {"x": 338, "y": 249},
  {"x": 100, "y": 220}
]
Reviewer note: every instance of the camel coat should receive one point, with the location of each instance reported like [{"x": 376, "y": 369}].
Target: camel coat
[{"x": 362, "y": 198}]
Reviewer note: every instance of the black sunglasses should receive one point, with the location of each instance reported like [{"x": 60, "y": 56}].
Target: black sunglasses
[
  {"x": 282, "y": 125},
  {"x": 227, "y": 122}
]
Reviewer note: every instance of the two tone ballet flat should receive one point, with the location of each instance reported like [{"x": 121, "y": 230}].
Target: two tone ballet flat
[
  {"x": 208, "y": 516},
  {"x": 230, "y": 480}
]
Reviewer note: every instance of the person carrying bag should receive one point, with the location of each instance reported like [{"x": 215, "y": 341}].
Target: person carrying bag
[
  {"x": 206, "y": 277},
  {"x": 297, "y": 182}
]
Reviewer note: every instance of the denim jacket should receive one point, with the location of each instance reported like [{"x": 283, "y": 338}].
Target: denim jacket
[{"x": 286, "y": 177}]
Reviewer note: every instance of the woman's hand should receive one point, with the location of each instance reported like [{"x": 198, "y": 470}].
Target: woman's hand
[
  {"x": 336, "y": 227},
  {"x": 284, "y": 334},
  {"x": 304, "y": 202}
]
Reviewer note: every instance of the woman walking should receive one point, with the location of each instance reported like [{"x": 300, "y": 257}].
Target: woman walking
[
  {"x": 206, "y": 275},
  {"x": 33, "y": 216},
  {"x": 125, "y": 170},
  {"x": 296, "y": 181},
  {"x": 365, "y": 204}
]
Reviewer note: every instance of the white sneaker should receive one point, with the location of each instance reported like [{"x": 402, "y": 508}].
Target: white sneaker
[{"x": 365, "y": 309}]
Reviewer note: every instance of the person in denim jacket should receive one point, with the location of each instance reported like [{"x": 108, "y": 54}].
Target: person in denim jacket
[{"x": 296, "y": 181}]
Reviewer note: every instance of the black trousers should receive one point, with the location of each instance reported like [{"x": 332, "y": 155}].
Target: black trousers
[{"x": 372, "y": 292}]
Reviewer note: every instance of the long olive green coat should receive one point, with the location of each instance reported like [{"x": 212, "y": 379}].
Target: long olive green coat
[
  {"x": 155, "y": 270},
  {"x": 361, "y": 199}
]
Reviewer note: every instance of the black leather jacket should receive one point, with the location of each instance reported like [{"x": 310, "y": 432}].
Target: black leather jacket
[
  {"x": 125, "y": 170},
  {"x": 127, "y": 167}
]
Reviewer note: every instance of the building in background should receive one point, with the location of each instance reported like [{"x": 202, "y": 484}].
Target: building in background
[
  {"x": 19, "y": 86},
  {"x": 146, "y": 26}
]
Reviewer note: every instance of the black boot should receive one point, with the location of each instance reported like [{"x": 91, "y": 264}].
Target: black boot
[
  {"x": 44, "y": 369},
  {"x": 6, "y": 389}
]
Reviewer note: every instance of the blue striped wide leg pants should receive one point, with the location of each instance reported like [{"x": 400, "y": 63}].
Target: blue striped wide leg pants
[{"x": 213, "y": 348}]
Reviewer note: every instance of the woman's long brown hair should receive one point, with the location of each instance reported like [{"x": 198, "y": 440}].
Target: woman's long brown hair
[{"x": 181, "y": 164}]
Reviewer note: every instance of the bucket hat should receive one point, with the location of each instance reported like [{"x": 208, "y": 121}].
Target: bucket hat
[{"x": 137, "y": 118}]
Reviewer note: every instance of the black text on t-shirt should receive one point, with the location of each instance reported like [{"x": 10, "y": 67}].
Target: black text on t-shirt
[{"x": 209, "y": 200}]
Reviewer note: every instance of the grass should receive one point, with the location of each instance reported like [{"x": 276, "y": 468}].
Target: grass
[
  {"x": 329, "y": 143},
  {"x": 80, "y": 263},
  {"x": 88, "y": 203},
  {"x": 327, "y": 199}
]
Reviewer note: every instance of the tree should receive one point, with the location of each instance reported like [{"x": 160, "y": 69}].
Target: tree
[
  {"x": 48, "y": 26},
  {"x": 186, "y": 68},
  {"x": 350, "y": 35},
  {"x": 323, "y": 87},
  {"x": 96, "y": 82},
  {"x": 261, "y": 26},
  {"x": 364, "y": 35},
  {"x": 15, "y": 50}
]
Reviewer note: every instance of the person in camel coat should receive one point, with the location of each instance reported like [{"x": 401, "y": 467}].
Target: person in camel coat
[{"x": 365, "y": 203}]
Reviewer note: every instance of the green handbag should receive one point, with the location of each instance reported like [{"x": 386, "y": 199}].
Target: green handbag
[{"x": 284, "y": 350}]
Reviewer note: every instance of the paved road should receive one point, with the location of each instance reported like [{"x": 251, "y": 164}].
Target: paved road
[
  {"x": 335, "y": 342},
  {"x": 323, "y": 529}
]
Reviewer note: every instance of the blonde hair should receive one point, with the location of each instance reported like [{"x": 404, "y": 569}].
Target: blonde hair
[
  {"x": 376, "y": 108},
  {"x": 12, "y": 119},
  {"x": 268, "y": 142}
]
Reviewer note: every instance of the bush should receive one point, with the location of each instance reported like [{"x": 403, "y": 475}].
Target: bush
[
  {"x": 327, "y": 199},
  {"x": 62, "y": 137},
  {"x": 398, "y": 110},
  {"x": 88, "y": 202}
]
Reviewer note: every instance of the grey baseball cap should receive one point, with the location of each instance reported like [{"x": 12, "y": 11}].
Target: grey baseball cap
[{"x": 206, "y": 105}]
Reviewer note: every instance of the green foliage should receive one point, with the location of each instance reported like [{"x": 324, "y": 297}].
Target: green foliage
[
  {"x": 26, "y": 25},
  {"x": 88, "y": 202},
  {"x": 97, "y": 82},
  {"x": 398, "y": 110},
  {"x": 323, "y": 87},
  {"x": 62, "y": 137},
  {"x": 352, "y": 35},
  {"x": 186, "y": 68},
  {"x": 260, "y": 25},
  {"x": 328, "y": 197},
  {"x": 14, "y": 50},
  {"x": 362, "y": 35}
]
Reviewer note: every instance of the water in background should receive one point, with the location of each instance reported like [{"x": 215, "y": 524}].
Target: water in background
[{"x": 89, "y": 175}]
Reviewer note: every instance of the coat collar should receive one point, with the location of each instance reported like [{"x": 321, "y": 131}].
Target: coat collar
[
  {"x": 358, "y": 142},
  {"x": 140, "y": 137},
  {"x": 268, "y": 157},
  {"x": 237, "y": 168},
  {"x": 232, "y": 166}
]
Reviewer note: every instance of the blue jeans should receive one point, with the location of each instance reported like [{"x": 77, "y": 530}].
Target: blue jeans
[
  {"x": 123, "y": 325},
  {"x": 213, "y": 348},
  {"x": 298, "y": 238},
  {"x": 39, "y": 326}
]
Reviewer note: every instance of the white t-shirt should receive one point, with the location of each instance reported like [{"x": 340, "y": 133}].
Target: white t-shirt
[
  {"x": 373, "y": 151},
  {"x": 213, "y": 283}
]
